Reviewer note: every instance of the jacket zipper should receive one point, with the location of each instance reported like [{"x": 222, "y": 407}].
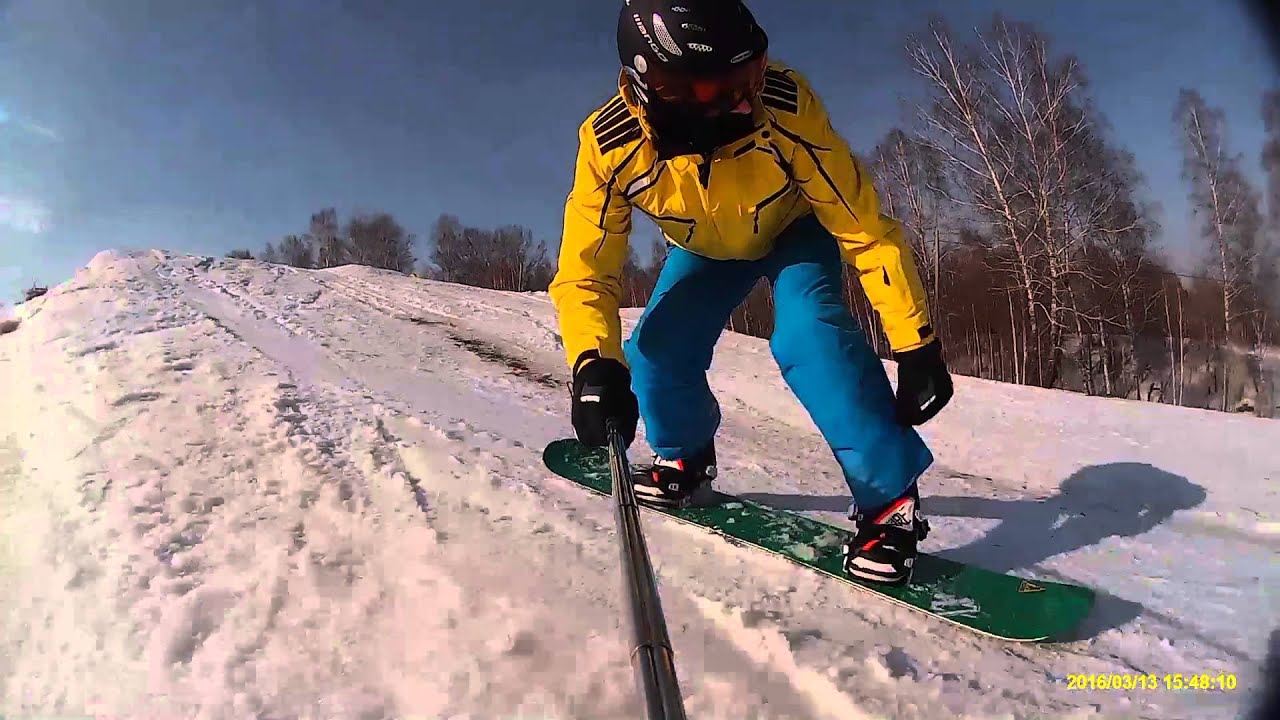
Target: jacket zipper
[{"x": 704, "y": 194}]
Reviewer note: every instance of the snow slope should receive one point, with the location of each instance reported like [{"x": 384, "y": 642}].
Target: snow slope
[{"x": 231, "y": 489}]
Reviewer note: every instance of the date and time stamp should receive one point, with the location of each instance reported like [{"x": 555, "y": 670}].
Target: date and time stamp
[{"x": 1216, "y": 682}]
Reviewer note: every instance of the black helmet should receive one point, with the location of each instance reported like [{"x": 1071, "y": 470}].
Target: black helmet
[{"x": 704, "y": 56}]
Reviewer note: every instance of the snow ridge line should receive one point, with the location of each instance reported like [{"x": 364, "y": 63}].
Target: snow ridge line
[
  {"x": 470, "y": 336},
  {"x": 432, "y": 298}
]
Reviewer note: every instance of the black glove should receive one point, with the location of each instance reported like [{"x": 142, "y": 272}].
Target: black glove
[
  {"x": 924, "y": 385},
  {"x": 602, "y": 390}
]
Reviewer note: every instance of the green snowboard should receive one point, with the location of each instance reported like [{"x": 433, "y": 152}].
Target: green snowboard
[{"x": 994, "y": 604}]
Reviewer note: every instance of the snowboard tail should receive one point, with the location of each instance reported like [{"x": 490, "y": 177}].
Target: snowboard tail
[{"x": 992, "y": 603}]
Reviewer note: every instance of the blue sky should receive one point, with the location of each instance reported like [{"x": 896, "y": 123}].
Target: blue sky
[{"x": 199, "y": 127}]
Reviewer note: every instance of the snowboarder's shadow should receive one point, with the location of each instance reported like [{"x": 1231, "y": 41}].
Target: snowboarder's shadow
[{"x": 1093, "y": 504}]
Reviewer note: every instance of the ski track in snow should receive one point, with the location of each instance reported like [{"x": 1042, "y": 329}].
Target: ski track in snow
[{"x": 230, "y": 489}]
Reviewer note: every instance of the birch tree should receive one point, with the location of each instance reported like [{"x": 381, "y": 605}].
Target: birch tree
[
  {"x": 961, "y": 125},
  {"x": 1042, "y": 131},
  {"x": 1117, "y": 269},
  {"x": 1227, "y": 205},
  {"x": 1013, "y": 123}
]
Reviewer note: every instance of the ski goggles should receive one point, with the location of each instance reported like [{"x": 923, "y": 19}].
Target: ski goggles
[{"x": 710, "y": 95}]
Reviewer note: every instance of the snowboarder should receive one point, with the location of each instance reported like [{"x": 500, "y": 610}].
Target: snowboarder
[{"x": 732, "y": 154}]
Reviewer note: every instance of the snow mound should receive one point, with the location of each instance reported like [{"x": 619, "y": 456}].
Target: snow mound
[{"x": 233, "y": 489}]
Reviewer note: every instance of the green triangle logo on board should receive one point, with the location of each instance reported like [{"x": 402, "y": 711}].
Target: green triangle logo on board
[{"x": 1029, "y": 587}]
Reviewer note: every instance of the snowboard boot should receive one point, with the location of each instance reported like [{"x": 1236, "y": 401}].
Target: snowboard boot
[
  {"x": 882, "y": 548},
  {"x": 675, "y": 483}
]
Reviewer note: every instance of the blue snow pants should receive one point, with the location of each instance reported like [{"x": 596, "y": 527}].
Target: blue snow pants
[{"x": 820, "y": 350}]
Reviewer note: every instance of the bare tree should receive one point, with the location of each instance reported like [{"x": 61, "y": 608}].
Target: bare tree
[
  {"x": 639, "y": 279},
  {"x": 1042, "y": 131},
  {"x": 456, "y": 258},
  {"x": 377, "y": 240},
  {"x": 755, "y": 314},
  {"x": 1059, "y": 240},
  {"x": 1177, "y": 356},
  {"x": 326, "y": 237},
  {"x": 1077, "y": 192},
  {"x": 1117, "y": 274},
  {"x": 1271, "y": 158},
  {"x": 962, "y": 124},
  {"x": 519, "y": 262},
  {"x": 634, "y": 292},
  {"x": 296, "y": 251},
  {"x": 1268, "y": 281},
  {"x": 507, "y": 258},
  {"x": 1227, "y": 204},
  {"x": 270, "y": 254}
]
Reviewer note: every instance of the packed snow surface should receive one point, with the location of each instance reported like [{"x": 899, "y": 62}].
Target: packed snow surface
[{"x": 230, "y": 489}]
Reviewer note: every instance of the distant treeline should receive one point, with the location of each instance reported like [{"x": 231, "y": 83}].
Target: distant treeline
[{"x": 1031, "y": 227}]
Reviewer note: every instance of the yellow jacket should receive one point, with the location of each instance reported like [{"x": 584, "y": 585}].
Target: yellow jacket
[{"x": 792, "y": 165}]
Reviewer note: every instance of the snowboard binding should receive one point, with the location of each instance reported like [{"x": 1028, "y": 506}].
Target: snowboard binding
[
  {"x": 882, "y": 548},
  {"x": 676, "y": 483}
]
